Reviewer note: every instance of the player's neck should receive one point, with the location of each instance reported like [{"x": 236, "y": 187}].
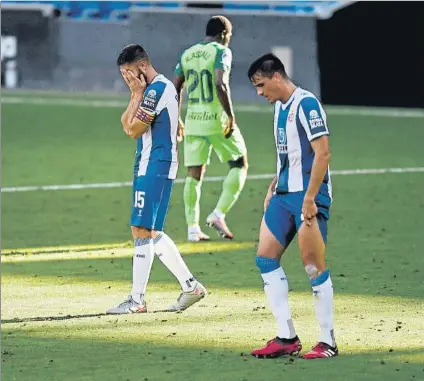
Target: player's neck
[
  {"x": 287, "y": 91},
  {"x": 150, "y": 75},
  {"x": 212, "y": 39}
]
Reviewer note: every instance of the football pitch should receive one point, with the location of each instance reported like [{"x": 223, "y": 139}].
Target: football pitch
[{"x": 67, "y": 253}]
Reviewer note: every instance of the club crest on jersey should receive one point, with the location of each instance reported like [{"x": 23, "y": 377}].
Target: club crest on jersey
[
  {"x": 282, "y": 141},
  {"x": 315, "y": 120},
  {"x": 152, "y": 94},
  {"x": 291, "y": 117},
  {"x": 150, "y": 99}
]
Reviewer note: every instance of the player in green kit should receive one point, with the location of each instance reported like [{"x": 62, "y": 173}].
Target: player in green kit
[{"x": 210, "y": 123}]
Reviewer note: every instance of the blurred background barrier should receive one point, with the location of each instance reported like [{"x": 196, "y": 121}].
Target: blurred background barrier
[{"x": 333, "y": 48}]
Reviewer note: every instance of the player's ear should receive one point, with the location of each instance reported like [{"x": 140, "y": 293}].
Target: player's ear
[{"x": 142, "y": 68}]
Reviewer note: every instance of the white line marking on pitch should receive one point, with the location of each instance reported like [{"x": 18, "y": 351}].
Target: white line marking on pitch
[
  {"x": 343, "y": 172},
  {"x": 332, "y": 110}
]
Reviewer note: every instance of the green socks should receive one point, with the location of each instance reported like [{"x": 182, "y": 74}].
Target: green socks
[
  {"x": 232, "y": 187},
  {"x": 192, "y": 192}
]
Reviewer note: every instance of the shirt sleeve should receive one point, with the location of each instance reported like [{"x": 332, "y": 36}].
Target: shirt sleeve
[
  {"x": 313, "y": 119},
  {"x": 151, "y": 104},
  {"x": 179, "y": 68},
  {"x": 224, "y": 59}
]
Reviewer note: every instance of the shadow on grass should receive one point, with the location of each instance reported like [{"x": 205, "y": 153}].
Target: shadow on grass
[
  {"x": 68, "y": 317},
  {"x": 49, "y": 318},
  {"x": 230, "y": 269},
  {"x": 51, "y": 359}
]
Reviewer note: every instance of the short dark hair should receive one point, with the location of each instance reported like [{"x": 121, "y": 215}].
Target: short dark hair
[
  {"x": 132, "y": 53},
  {"x": 267, "y": 65},
  {"x": 216, "y": 25}
]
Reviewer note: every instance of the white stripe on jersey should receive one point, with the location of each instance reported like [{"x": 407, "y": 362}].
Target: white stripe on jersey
[
  {"x": 169, "y": 99},
  {"x": 303, "y": 120},
  {"x": 295, "y": 178},
  {"x": 329, "y": 185},
  {"x": 145, "y": 154},
  {"x": 173, "y": 110},
  {"x": 277, "y": 109}
]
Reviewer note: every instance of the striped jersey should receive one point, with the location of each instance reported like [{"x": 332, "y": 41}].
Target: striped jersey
[
  {"x": 297, "y": 123},
  {"x": 156, "y": 153}
]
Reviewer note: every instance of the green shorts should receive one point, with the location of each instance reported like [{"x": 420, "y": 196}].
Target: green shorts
[{"x": 197, "y": 149}]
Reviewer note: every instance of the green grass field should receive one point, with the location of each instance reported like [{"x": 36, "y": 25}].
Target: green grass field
[{"x": 53, "y": 298}]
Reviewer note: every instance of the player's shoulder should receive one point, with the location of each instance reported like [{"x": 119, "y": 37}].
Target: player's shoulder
[
  {"x": 307, "y": 99},
  {"x": 189, "y": 49},
  {"x": 223, "y": 49},
  {"x": 159, "y": 86}
]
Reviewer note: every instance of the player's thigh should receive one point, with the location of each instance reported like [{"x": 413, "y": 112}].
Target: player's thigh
[
  {"x": 229, "y": 149},
  {"x": 197, "y": 151},
  {"x": 268, "y": 246},
  {"x": 140, "y": 232},
  {"x": 277, "y": 230},
  {"x": 163, "y": 205},
  {"x": 313, "y": 239},
  {"x": 312, "y": 243},
  {"x": 146, "y": 198}
]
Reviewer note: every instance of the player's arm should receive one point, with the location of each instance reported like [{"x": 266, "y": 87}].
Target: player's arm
[
  {"x": 320, "y": 164},
  {"x": 313, "y": 120},
  {"x": 270, "y": 193},
  {"x": 179, "y": 81},
  {"x": 222, "y": 84},
  {"x": 135, "y": 119}
]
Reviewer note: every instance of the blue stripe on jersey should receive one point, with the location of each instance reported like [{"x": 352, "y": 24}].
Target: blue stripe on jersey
[
  {"x": 283, "y": 177},
  {"x": 314, "y": 118},
  {"x": 161, "y": 154},
  {"x": 308, "y": 153}
]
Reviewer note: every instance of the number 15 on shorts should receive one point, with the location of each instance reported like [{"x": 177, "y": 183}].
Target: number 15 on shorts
[{"x": 139, "y": 199}]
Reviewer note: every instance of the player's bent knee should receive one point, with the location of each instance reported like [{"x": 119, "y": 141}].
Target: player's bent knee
[
  {"x": 141, "y": 232},
  {"x": 312, "y": 271},
  {"x": 196, "y": 172},
  {"x": 241, "y": 162},
  {"x": 316, "y": 277},
  {"x": 267, "y": 265}
]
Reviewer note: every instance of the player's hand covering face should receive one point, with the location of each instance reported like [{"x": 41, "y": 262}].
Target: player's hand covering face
[{"x": 136, "y": 84}]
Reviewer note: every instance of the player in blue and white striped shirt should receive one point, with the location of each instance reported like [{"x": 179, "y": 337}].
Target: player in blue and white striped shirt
[
  {"x": 152, "y": 119},
  {"x": 298, "y": 201}
]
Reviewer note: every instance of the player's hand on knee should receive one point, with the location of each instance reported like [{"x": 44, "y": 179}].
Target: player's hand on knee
[{"x": 309, "y": 210}]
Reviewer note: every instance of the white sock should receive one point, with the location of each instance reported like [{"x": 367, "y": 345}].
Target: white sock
[
  {"x": 323, "y": 301},
  {"x": 142, "y": 264},
  {"x": 194, "y": 229},
  {"x": 276, "y": 289},
  {"x": 218, "y": 213},
  {"x": 167, "y": 252}
]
